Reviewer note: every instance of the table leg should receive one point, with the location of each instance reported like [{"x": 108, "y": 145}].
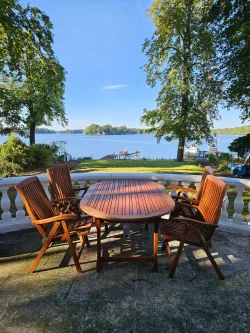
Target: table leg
[
  {"x": 156, "y": 226},
  {"x": 98, "y": 233}
]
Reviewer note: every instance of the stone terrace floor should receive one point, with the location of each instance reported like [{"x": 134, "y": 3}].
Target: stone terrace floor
[{"x": 124, "y": 297}]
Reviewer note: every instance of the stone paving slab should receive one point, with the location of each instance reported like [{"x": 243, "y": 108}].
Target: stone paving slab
[{"x": 123, "y": 297}]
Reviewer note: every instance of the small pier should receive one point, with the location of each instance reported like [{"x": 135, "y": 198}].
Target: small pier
[{"x": 122, "y": 155}]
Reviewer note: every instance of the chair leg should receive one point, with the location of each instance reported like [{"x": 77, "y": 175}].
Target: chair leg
[
  {"x": 98, "y": 233},
  {"x": 106, "y": 225},
  {"x": 71, "y": 248},
  {"x": 156, "y": 228},
  {"x": 169, "y": 252},
  {"x": 46, "y": 244},
  {"x": 164, "y": 245},
  {"x": 81, "y": 246},
  {"x": 210, "y": 257},
  {"x": 87, "y": 241},
  {"x": 215, "y": 266},
  {"x": 178, "y": 254}
]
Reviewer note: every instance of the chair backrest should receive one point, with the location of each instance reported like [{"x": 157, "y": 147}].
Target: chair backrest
[
  {"x": 206, "y": 171},
  {"x": 211, "y": 200},
  {"x": 60, "y": 181},
  {"x": 35, "y": 199}
]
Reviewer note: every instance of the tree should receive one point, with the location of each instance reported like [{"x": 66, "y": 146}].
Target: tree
[
  {"x": 231, "y": 26},
  {"x": 31, "y": 78},
  {"x": 19, "y": 27},
  {"x": 92, "y": 129},
  {"x": 107, "y": 129},
  {"x": 39, "y": 96},
  {"x": 181, "y": 58},
  {"x": 241, "y": 146}
]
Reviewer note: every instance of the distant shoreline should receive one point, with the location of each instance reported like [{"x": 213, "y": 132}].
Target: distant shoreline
[{"x": 92, "y": 134}]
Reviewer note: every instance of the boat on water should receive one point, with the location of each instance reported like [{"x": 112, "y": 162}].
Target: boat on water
[{"x": 191, "y": 150}]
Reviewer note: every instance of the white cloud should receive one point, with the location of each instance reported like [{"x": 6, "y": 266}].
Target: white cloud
[{"x": 115, "y": 86}]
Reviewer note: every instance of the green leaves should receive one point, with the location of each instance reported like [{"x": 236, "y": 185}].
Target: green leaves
[
  {"x": 230, "y": 21},
  {"x": 22, "y": 31},
  {"x": 241, "y": 146},
  {"x": 31, "y": 78}
]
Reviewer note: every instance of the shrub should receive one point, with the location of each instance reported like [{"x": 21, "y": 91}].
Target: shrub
[
  {"x": 212, "y": 158},
  {"x": 42, "y": 155},
  {"x": 9, "y": 169},
  {"x": 223, "y": 167},
  {"x": 13, "y": 156},
  {"x": 241, "y": 146},
  {"x": 225, "y": 157},
  {"x": 85, "y": 158}
]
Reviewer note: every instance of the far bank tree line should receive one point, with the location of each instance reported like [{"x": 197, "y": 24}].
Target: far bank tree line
[
  {"x": 105, "y": 130},
  {"x": 110, "y": 130},
  {"x": 94, "y": 129},
  {"x": 241, "y": 130}
]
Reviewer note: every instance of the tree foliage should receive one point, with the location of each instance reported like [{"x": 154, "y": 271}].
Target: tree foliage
[
  {"x": 13, "y": 156},
  {"x": 43, "y": 155},
  {"x": 22, "y": 27},
  {"x": 241, "y": 146},
  {"x": 182, "y": 60},
  {"x": 16, "y": 156},
  {"x": 231, "y": 26},
  {"x": 39, "y": 97},
  {"x": 31, "y": 78},
  {"x": 94, "y": 129}
]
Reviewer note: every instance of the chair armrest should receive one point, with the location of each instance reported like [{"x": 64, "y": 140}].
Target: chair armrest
[
  {"x": 182, "y": 188},
  {"x": 185, "y": 199},
  {"x": 56, "y": 218},
  {"x": 187, "y": 205},
  {"x": 80, "y": 189},
  {"x": 188, "y": 220},
  {"x": 66, "y": 199}
]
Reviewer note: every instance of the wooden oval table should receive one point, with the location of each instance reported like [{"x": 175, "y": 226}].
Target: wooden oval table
[{"x": 129, "y": 201}]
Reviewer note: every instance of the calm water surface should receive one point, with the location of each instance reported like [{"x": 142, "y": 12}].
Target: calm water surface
[{"x": 97, "y": 146}]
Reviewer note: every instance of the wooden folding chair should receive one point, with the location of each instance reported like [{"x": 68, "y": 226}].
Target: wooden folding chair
[
  {"x": 62, "y": 191},
  {"x": 51, "y": 224},
  {"x": 199, "y": 230},
  {"x": 196, "y": 194},
  {"x": 183, "y": 194}
]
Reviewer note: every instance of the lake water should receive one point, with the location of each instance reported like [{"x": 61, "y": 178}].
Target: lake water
[{"x": 97, "y": 146}]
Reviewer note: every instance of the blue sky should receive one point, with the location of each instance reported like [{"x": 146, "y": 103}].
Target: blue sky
[{"x": 99, "y": 44}]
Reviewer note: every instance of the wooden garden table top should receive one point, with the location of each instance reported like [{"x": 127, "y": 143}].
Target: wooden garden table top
[{"x": 127, "y": 200}]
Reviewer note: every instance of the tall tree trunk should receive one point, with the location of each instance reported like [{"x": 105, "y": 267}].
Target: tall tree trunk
[
  {"x": 186, "y": 76},
  {"x": 32, "y": 123},
  {"x": 32, "y": 132},
  {"x": 180, "y": 151}
]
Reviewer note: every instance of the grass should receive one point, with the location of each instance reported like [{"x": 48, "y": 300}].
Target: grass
[
  {"x": 231, "y": 193},
  {"x": 141, "y": 166}
]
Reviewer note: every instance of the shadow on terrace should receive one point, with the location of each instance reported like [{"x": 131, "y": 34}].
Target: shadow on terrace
[{"x": 124, "y": 297}]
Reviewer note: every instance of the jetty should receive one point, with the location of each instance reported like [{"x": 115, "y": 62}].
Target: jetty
[{"x": 122, "y": 154}]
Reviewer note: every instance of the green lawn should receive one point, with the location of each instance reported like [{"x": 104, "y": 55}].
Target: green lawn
[
  {"x": 146, "y": 166},
  {"x": 157, "y": 166}
]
